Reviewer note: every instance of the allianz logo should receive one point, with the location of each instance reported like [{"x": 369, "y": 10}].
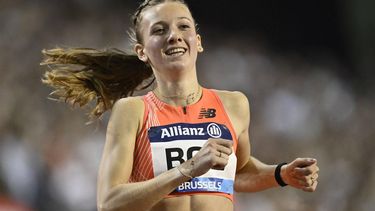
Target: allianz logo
[{"x": 212, "y": 130}]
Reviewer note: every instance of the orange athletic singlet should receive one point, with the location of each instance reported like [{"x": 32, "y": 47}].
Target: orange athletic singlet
[{"x": 171, "y": 135}]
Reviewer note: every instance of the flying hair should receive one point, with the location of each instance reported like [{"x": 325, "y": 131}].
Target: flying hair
[{"x": 80, "y": 76}]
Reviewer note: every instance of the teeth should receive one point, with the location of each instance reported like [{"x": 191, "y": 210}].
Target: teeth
[{"x": 175, "y": 51}]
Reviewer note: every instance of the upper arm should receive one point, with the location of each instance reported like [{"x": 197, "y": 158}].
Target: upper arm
[
  {"x": 117, "y": 159},
  {"x": 243, "y": 148},
  {"x": 238, "y": 109}
]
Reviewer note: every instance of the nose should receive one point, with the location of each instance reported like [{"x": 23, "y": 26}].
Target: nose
[{"x": 174, "y": 36}]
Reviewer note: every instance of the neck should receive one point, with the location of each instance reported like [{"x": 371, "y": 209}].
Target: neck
[{"x": 181, "y": 93}]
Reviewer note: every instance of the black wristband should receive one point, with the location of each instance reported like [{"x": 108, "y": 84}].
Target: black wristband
[{"x": 278, "y": 178}]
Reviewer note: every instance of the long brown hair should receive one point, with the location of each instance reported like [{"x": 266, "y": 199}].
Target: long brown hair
[{"x": 82, "y": 75}]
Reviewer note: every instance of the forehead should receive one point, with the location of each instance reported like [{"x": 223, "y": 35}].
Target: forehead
[{"x": 165, "y": 12}]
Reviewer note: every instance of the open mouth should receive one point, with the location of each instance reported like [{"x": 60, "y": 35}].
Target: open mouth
[{"x": 175, "y": 51}]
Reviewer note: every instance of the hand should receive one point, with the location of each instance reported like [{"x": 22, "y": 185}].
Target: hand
[
  {"x": 213, "y": 155},
  {"x": 302, "y": 173}
]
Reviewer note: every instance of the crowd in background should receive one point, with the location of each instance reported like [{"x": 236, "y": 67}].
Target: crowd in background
[{"x": 300, "y": 107}]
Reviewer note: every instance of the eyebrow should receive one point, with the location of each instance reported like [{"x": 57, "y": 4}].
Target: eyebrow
[
  {"x": 185, "y": 18},
  {"x": 180, "y": 18}
]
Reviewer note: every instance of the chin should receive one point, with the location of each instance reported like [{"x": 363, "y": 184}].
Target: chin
[{"x": 177, "y": 66}]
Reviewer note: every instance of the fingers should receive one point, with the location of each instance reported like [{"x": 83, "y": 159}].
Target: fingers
[
  {"x": 220, "y": 163},
  {"x": 305, "y": 182},
  {"x": 308, "y": 184},
  {"x": 220, "y": 150},
  {"x": 302, "y": 169},
  {"x": 224, "y": 150},
  {"x": 214, "y": 154},
  {"x": 303, "y": 162},
  {"x": 221, "y": 142},
  {"x": 303, "y": 173},
  {"x": 313, "y": 182},
  {"x": 220, "y": 145},
  {"x": 311, "y": 188}
]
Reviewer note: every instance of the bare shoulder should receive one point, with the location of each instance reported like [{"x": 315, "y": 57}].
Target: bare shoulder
[
  {"x": 127, "y": 112},
  {"x": 132, "y": 103},
  {"x": 237, "y": 107},
  {"x": 233, "y": 100}
]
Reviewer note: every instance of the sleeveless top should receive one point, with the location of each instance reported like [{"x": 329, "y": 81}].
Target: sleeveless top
[{"x": 171, "y": 135}]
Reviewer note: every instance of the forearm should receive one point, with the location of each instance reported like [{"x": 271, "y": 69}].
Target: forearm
[
  {"x": 255, "y": 176},
  {"x": 142, "y": 195}
]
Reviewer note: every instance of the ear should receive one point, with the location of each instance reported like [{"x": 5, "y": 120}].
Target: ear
[
  {"x": 139, "y": 50},
  {"x": 199, "y": 44}
]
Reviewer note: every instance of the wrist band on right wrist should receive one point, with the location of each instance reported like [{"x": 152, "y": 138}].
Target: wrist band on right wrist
[{"x": 278, "y": 178}]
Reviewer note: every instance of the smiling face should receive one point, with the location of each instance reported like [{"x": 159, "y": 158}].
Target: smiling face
[{"x": 169, "y": 39}]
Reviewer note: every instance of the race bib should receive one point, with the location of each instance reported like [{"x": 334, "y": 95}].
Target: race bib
[{"x": 173, "y": 144}]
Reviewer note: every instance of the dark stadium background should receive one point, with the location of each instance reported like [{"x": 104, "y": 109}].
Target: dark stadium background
[{"x": 307, "y": 68}]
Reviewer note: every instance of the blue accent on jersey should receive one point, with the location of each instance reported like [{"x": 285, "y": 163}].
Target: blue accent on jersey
[
  {"x": 204, "y": 184},
  {"x": 186, "y": 131}
]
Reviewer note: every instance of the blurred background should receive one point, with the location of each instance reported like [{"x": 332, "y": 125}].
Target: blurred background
[{"x": 307, "y": 68}]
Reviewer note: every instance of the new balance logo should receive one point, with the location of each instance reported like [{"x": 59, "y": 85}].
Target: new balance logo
[{"x": 207, "y": 113}]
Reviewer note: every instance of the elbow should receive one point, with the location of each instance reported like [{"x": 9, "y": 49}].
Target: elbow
[
  {"x": 243, "y": 189},
  {"x": 244, "y": 183},
  {"x": 103, "y": 203},
  {"x": 118, "y": 199},
  {"x": 238, "y": 188},
  {"x": 239, "y": 183},
  {"x": 109, "y": 204},
  {"x": 114, "y": 202},
  {"x": 107, "y": 199},
  {"x": 107, "y": 207},
  {"x": 104, "y": 206}
]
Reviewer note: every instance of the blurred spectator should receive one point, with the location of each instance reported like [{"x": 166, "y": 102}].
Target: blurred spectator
[{"x": 8, "y": 204}]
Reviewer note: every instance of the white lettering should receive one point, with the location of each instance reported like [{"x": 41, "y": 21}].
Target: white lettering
[
  {"x": 164, "y": 132},
  {"x": 175, "y": 130},
  {"x": 193, "y": 131},
  {"x": 200, "y": 131},
  {"x": 185, "y": 131},
  {"x": 214, "y": 130},
  {"x": 179, "y": 131},
  {"x": 181, "y": 187},
  {"x": 171, "y": 131},
  {"x": 211, "y": 185},
  {"x": 219, "y": 185},
  {"x": 200, "y": 185},
  {"x": 187, "y": 185}
]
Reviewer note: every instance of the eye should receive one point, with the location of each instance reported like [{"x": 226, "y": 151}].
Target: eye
[
  {"x": 184, "y": 26},
  {"x": 158, "y": 31}
]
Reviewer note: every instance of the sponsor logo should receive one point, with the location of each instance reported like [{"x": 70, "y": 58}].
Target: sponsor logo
[
  {"x": 207, "y": 113},
  {"x": 181, "y": 131},
  {"x": 186, "y": 131},
  {"x": 214, "y": 130},
  {"x": 200, "y": 185},
  {"x": 207, "y": 184}
]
